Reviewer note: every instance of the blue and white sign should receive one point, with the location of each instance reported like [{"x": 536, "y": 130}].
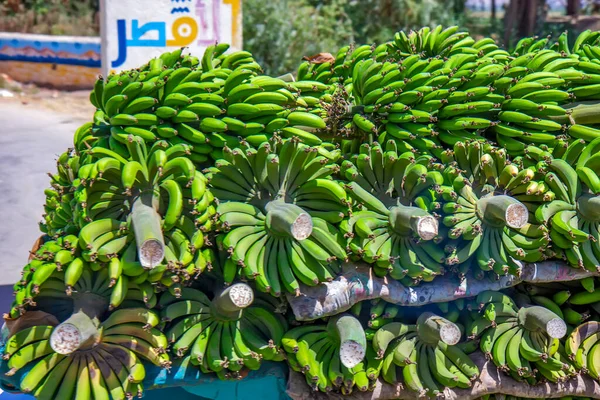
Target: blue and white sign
[{"x": 133, "y": 31}]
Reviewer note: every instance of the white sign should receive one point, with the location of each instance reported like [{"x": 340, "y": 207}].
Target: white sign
[{"x": 134, "y": 31}]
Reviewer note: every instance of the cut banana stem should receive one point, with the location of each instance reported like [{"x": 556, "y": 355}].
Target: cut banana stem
[
  {"x": 406, "y": 220},
  {"x": 433, "y": 328},
  {"x": 231, "y": 301},
  {"x": 589, "y": 207},
  {"x": 330, "y": 298},
  {"x": 536, "y": 318},
  {"x": 81, "y": 328},
  {"x": 288, "y": 219},
  {"x": 503, "y": 210},
  {"x": 351, "y": 335},
  {"x": 148, "y": 233}
]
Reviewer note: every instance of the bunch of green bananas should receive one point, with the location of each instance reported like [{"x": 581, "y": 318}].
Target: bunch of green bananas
[
  {"x": 488, "y": 203},
  {"x": 440, "y": 42},
  {"x": 225, "y": 335},
  {"x": 277, "y": 206},
  {"x": 392, "y": 226},
  {"x": 219, "y": 101},
  {"x": 427, "y": 363},
  {"x": 62, "y": 215},
  {"x": 60, "y": 272},
  {"x": 574, "y": 302},
  {"x": 109, "y": 367},
  {"x": 582, "y": 348},
  {"x": 321, "y": 353},
  {"x": 57, "y": 292},
  {"x": 571, "y": 217},
  {"x": 522, "y": 342},
  {"x": 435, "y": 87},
  {"x": 48, "y": 263}
]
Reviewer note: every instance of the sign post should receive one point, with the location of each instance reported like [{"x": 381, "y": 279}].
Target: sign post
[{"x": 133, "y": 31}]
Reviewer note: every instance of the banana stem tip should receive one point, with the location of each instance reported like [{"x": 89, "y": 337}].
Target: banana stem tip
[{"x": 65, "y": 339}]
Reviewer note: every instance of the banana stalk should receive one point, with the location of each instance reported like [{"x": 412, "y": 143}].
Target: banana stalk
[
  {"x": 288, "y": 219},
  {"x": 536, "y": 318},
  {"x": 232, "y": 300},
  {"x": 80, "y": 330},
  {"x": 147, "y": 230},
  {"x": 433, "y": 328},
  {"x": 349, "y": 332},
  {"x": 357, "y": 283},
  {"x": 502, "y": 211},
  {"x": 406, "y": 220}
]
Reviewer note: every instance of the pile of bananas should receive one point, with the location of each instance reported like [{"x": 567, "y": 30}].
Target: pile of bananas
[
  {"x": 431, "y": 154},
  {"x": 105, "y": 366},
  {"x": 225, "y": 335}
]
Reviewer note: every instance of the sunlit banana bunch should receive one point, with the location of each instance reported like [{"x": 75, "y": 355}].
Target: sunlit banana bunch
[
  {"x": 62, "y": 216},
  {"x": 393, "y": 225},
  {"x": 530, "y": 44},
  {"x": 488, "y": 206},
  {"x": 258, "y": 106},
  {"x": 167, "y": 98},
  {"x": 331, "y": 356},
  {"x": 130, "y": 97},
  {"x": 277, "y": 207},
  {"x": 232, "y": 332},
  {"x": 105, "y": 363},
  {"x": 423, "y": 102},
  {"x": 341, "y": 65},
  {"x": 320, "y": 67},
  {"x": 425, "y": 355},
  {"x": 219, "y": 102},
  {"x": 523, "y": 342},
  {"x": 535, "y": 86},
  {"x": 443, "y": 43},
  {"x": 572, "y": 217},
  {"x": 535, "y": 44}
]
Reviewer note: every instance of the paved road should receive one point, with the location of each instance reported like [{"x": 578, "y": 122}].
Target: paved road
[{"x": 31, "y": 138}]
